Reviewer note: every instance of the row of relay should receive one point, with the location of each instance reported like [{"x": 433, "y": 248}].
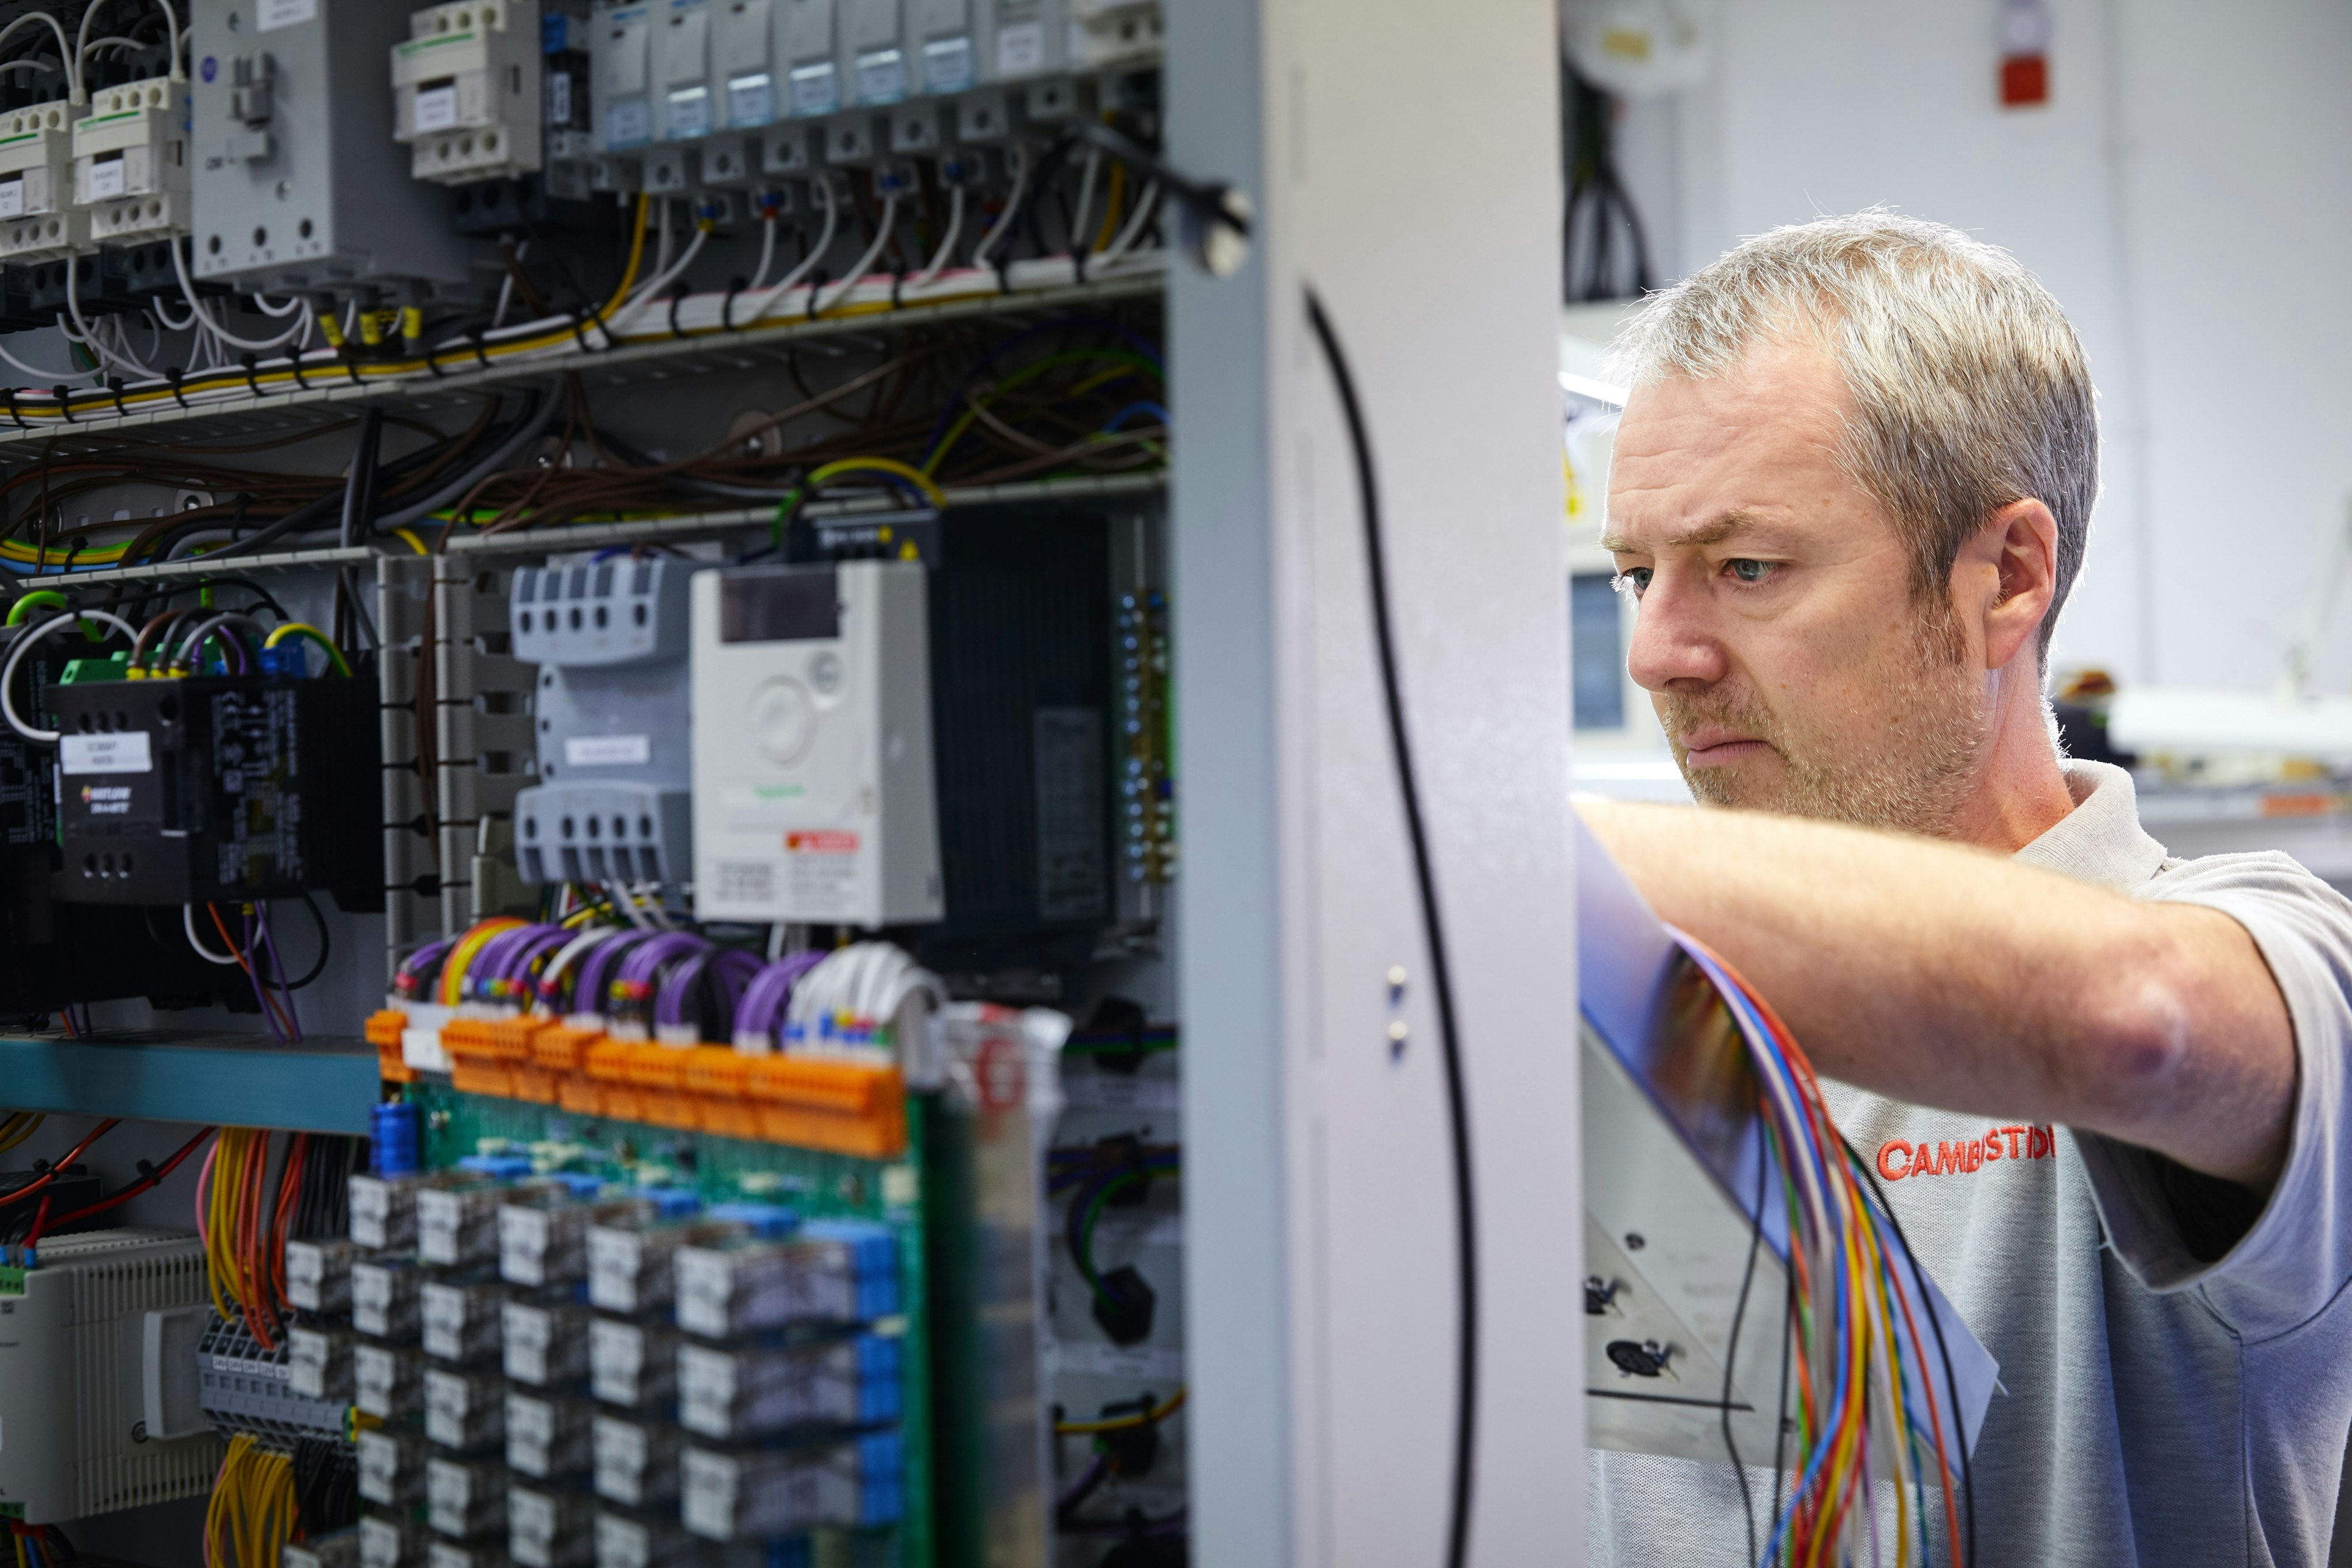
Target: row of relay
[
  {"x": 251, "y": 149},
  {"x": 509, "y": 1410}
]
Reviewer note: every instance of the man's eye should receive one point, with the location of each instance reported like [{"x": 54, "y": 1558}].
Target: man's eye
[
  {"x": 1632, "y": 580},
  {"x": 1748, "y": 571}
]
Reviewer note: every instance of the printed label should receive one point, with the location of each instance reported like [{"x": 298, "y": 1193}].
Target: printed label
[
  {"x": 881, "y": 76},
  {"x": 1021, "y": 49},
  {"x": 813, "y": 90},
  {"x": 746, "y": 881},
  {"x": 11, "y": 197},
  {"x": 947, "y": 65},
  {"x": 435, "y": 107},
  {"x": 627, "y": 124},
  {"x": 124, "y": 753},
  {"x": 689, "y": 113},
  {"x": 271, "y": 15},
  {"x": 106, "y": 177},
  {"x": 816, "y": 841},
  {"x": 751, "y": 99},
  {"x": 558, "y": 98},
  {"x": 608, "y": 751}
]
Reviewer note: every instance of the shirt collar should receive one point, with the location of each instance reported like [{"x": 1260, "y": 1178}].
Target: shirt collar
[{"x": 2101, "y": 841}]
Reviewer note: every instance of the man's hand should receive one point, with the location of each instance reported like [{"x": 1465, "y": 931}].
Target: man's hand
[{"x": 1955, "y": 978}]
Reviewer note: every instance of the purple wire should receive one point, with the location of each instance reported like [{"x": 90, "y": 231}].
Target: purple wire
[
  {"x": 647, "y": 959},
  {"x": 431, "y": 953},
  {"x": 253, "y": 973},
  {"x": 278, "y": 967},
  {"x": 589, "y": 991},
  {"x": 764, "y": 1001},
  {"x": 735, "y": 969}
]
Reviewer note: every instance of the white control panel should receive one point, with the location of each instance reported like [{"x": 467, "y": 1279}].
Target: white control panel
[{"x": 812, "y": 783}]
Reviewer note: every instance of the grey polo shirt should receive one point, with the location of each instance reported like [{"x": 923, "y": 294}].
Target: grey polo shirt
[{"x": 2175, "y": 1362}]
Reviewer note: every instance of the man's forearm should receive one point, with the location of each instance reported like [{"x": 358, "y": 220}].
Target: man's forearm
[{"x": 1953, "y": 977}]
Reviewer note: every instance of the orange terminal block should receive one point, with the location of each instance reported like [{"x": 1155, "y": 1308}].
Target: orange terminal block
[{"x": 382, "y": 1030}]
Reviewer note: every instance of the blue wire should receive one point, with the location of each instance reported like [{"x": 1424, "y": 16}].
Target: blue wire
[{"x": 1144, "y": 407}]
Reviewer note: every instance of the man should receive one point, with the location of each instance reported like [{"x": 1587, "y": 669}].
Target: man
[{"x": 1852, "y": 488}]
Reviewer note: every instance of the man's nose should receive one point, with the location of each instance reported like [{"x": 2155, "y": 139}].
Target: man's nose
[{"x": 1674, "y": 643}]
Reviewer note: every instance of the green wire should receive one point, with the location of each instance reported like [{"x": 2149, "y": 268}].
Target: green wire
[
  {"x": 1071, "y": 356},
  {"x": 1086, "y": 1253}
]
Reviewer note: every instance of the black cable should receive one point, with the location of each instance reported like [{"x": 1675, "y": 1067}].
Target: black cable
[
  {"x": 359, "y": 486},
  {"x": 1466, "y": 1421},
  {"x": 326, "y": 944},
  {"x": 1951, "y": 1384},
  {"x": 1780, "y": 1422},
  {"x": 1739, "y": 1313}
]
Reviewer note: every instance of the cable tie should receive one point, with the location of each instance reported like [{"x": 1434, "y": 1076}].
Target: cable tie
[
  {"x": 727, "y": 307},
  {"x": 350, "y": 360},
  {"x": 581, "y": 333},
  {"x": 897, "y": 282},
  {"x": 433, "y": 363},
  {"x": 294, "y": 362},
  {"x": 481, "y": 349},
  {"x": 1004, "y": 266},
  {"x": 65, "y": 401},
  {"x": 116, "y": 383},
  {"x": 817, "y": 282},
  {"x": 172, "y": 374},
  {"x": 12, "y": 409},
  {"x": 676, "y": 294},
  {"x": 252, "y": 362}
]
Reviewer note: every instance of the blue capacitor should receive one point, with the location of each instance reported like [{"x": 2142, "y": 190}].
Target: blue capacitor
[{"x": 398, "y": 1146}]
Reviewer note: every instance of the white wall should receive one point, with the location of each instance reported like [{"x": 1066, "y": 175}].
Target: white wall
[{"x": 2186, "y": 194}]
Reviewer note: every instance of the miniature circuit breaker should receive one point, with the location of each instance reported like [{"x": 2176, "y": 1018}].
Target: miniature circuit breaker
[
  {"x": 614, "y": 802},
  {"x": 37, "y": 218},
  {"x": 131, "y": 162},
  {"x": 466, "y": 94},
  {"x": 813, "y": 784}
]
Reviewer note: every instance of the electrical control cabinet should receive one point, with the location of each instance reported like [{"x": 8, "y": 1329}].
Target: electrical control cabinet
[
  {"x": 297, "y": 182},
  {"x": 38, "y": 217},
  {"x": 131, "y": 162},
  {"x": 176, "y": 791},
  {"x": 466, "y": 94},
  {"x": 611, "y": 706},
  {"x": 98, "y": 1375},
  {"x": 813, "y": 766}
]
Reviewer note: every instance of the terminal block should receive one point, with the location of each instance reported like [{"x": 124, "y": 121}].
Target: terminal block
[
  {"x": 131, "y": 163},
  {"x": 466, "y": 94},
  {"x": 780, "y": 1492}
]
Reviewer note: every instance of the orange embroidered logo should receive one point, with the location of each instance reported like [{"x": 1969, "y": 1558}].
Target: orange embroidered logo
[{"x": 1897, "y": 1158}]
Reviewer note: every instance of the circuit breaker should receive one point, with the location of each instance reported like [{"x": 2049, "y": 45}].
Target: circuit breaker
[
  {"x": 611, "y": 706},
  {"x": 621, "y": 48},
  {"x": 175, "y": 791},
  {"x": 38, "y": 217},
  {"x": 804, "y": 39},
  {"x": 814, "y": 793},
  {"x": 465, "y": 91},
  {"x": 298, "y": 181}
]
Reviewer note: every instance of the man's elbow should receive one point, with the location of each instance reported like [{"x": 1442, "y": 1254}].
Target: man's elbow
[{"x": 2134, "y": 1060}]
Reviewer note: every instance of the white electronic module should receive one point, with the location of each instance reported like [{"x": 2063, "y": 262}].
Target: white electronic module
[{"x": 813, "y": 788}]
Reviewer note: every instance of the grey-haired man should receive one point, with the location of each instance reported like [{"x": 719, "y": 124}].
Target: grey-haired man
[{"x": 1852, "y": 488}]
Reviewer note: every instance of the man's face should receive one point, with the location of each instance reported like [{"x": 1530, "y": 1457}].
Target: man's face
[{"x": 1790, "y": 663}]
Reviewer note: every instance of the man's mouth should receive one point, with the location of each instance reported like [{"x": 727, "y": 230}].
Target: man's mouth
[{"x": 1715, "y": 748}]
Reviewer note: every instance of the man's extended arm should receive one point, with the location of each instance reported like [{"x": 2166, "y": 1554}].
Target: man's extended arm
[{"x": 1954, "y": 978}]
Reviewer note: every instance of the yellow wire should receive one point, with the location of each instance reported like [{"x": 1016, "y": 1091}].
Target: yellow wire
[
  {"x": 928, "y": 486},
  {"x": 414, "y": 543},
  {"x": 1168, "y": 1407},
  {"x": 306, "y": 630},
  {"x": 20, "y": 1125},
  {"x": 453, "y": 968},
  {"x": 1109, "y": 229}
]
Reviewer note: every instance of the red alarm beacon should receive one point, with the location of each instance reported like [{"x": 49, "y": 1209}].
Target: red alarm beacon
[{"x": 2024, "y": 53}]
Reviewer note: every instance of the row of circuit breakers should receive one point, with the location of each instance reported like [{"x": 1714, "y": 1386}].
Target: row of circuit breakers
[
  {"x": 863, "y": 742},
  {"x": 306, "y": 148}
]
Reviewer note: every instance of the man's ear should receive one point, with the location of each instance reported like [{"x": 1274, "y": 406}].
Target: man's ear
[{"x": 2018, "y": 546}]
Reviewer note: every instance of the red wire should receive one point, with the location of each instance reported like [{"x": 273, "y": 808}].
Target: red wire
[
  {"x": 144, "y": 1184},
  {"x": 260, "y": 990},
  {"x": 30, "y": 1188},
  {"x": 40, "y": 1218},
  {"x": 297, "y": 1155}
]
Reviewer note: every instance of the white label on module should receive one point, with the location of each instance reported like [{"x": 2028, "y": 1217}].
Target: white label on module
[
  {"x": 271, "y": 15},
  {"x": 106, "y": 177},
  {"x": 126, "y": 753},
  {"x": 608, "y": 751},
  {"x": 436, "y": 107}
]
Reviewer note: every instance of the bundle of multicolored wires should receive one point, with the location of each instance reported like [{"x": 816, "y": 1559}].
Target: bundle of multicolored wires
[
  {"x": 245, "y": 1242},
  {"x": 253, "y": 1512},
  {"x": 258, "y": 956},
  {"x": 1849, "y": 1321},
  {"x": 36, "y": 1544}
]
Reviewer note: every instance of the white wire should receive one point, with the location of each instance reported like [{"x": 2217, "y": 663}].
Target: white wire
[
  {"x": 1138, "y": 221},
  {"x": 25, "y": 646},
  {"x": 1086, "y": 203},
  {"x": 173, "y": 37},
  {"x": 47, "y": 377},
  {"x": 652, "y": 291},
  {"x": 947, "y": 245},
  {"x": 818, "y": 304},
  {"x": 65, "y": 48},
  {"x": 188, "y": 924},
  {"x": 506, "y": 287},
  {"x": 616, "y": 896},
  {"x": 73, "y": 304},
  {"x": 1012, "y": 207},
  {"x": 574, "y": 949},
  {"x": 767, "y": 254},
  {"x": 280, "y": 311},
  {"x": 188, "y": 287}
]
